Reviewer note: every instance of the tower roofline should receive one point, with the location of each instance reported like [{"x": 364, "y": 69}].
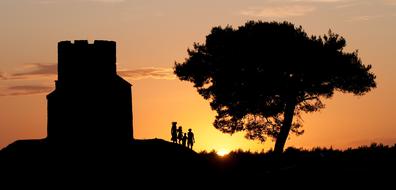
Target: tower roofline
[{"x": 85, "y": 42}]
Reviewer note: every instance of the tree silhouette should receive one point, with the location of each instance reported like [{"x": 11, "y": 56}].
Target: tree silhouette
[{"x": 260, "y": 76}]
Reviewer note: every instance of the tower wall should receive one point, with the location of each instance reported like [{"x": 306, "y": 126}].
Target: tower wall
[
  {"x": 91, "y": 104},
  {"x": 81, "y": 60}
]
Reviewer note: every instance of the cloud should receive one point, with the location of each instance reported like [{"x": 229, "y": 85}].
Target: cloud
[
  {"x": 390, "y": 2},
  {"x": 349, "y": 5},
  {"x": 110, "y": 1},
  {"x": 364, "y": 18},
  {"x": 320, "y": 1},
  {"x": 34, "y": 71},
  {"x": 30, "y": 72},
  {"x": 48, "y": 2},
  {"x": 107, "y": 1},
  {"x": 279, "y": 11},
  {"x": 25, "y": 90},
  {"x": 3, "y": 76},
  {"x": 151, "y": 72}
]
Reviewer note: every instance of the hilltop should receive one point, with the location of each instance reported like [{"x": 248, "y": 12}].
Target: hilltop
[
  {"x": 141, "y": 159},
  {"x": 155, "y": 160}
]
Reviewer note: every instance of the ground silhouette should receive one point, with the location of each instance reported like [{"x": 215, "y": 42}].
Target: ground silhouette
[
  {"x": 135, "y": 164},
  {"x": 156, "y": 162}
]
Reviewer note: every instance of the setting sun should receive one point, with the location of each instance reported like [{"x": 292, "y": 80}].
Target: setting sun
[{"x": 222, "y": 152}]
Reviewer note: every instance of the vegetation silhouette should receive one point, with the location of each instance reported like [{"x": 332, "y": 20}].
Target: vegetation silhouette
[
  {"x": 318, "y": 167},
  {"x": 261, "y": 76}
]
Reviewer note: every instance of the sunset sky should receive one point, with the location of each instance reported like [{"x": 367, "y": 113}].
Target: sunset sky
[{"x": 152, "y": 34}]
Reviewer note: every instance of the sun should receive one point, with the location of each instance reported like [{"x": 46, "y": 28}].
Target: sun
[{"x": 222, "y": 152}]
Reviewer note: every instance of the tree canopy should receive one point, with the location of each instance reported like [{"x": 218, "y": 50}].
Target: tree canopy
[{"x": 261, "y": 75}]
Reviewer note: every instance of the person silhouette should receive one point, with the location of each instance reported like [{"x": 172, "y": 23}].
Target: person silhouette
[
  {"x": 190, "y": 139},
  {"x": 174, "y": 132},
  {"x": 180, "y": 134},
  {"x": 184, "y": 140}
]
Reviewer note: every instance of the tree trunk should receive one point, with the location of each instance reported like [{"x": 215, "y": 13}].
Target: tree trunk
[{"x": 286, "y": 126}]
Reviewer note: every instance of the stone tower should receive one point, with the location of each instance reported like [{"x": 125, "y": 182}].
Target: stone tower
[{"x": 91, "y": 104}]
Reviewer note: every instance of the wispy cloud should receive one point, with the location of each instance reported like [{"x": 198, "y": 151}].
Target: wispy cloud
[
  {"x": 107, "y": 1},
  {"x": 364, "y": 18},
  {"x": 348, "y": 5},
  {"x": 320, "y": 1},
  {"x": 151, "y": 72},
  {"x": 49, "y": 2},
  {"x": 390, "y": 2},
  {"x": 3, "y": 76},
  {"x": 35, "y": 71},
  {"x": 33, "y": 74},
  {"x": 279, "y": 11},
  {"x": 25, "y": 90}
]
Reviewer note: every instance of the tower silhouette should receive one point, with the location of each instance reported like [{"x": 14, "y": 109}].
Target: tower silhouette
[{"x": 91, "y": 104}]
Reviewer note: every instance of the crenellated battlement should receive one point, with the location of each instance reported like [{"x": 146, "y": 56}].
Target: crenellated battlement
[{"x": 81, "y": 60}]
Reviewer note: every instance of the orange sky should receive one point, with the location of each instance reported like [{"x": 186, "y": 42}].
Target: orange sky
[{"x": 152, "y": 34}]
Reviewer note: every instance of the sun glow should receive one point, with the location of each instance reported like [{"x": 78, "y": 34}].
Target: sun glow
[{"x": 222, "y": 152}]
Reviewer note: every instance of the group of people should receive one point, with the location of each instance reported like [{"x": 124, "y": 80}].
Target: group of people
[{"x": 185, "y": 139}]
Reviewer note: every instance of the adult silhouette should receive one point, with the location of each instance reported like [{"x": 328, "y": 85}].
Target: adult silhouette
[
  {"x": 174, "y": 132},
  {"x": 190, "y": 139},
  {"x": 180, "y": 134},
  {"x": 184, "y": 140}
]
